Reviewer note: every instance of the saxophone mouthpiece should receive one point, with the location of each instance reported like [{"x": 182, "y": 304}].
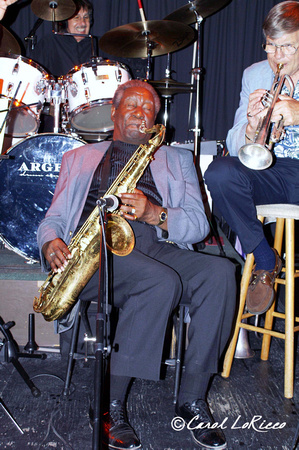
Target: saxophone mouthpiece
[{"x": 142, "y": 127}]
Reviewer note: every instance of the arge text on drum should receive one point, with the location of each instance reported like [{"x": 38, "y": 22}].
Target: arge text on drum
[{"x": 27, "y": 186}]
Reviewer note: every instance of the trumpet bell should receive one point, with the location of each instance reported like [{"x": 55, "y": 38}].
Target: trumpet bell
[
  {"x": 120, "y": 237},
  {"x": 255, "y": 156}
]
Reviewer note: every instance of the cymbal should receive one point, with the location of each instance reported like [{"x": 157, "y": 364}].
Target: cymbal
[
  {"x": 59, "y": 9},
  {"x": 8, "y": 43},
  {"x": 168, "y": 87},
  {"x": 129, "y": 40},
  {"x": 204, "y": 8}
]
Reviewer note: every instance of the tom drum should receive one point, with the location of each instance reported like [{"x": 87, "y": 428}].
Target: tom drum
[
  {"x": 27, "y": 82},
  {"x": 91, "y": 88}
]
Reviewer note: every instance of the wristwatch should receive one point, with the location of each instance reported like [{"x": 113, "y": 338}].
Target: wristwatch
[{"x": 162, "y": 216}]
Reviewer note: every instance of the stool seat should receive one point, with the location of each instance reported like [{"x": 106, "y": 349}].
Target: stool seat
[
  {"x": 283, "y": 210},
  {"x": 284, "y": 215}
]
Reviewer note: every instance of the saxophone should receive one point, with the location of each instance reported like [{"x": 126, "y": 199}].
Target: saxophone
[{"x": 60, "y": 291}]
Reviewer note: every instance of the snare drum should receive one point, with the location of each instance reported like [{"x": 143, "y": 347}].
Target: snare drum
[
  {"x": 30, "y": 81},
  {"x": 27, "y": 186},
  {"x": 91, "y": 88}
]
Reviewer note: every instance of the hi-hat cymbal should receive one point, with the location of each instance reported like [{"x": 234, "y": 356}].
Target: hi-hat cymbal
[
  {"x": 168, "y": 87},
  {"x": 53, "y": 9},
  {"x": 204, "y": 8},
  {"x": 130, "y": 41},
  {"x": 8, "y": 43}
]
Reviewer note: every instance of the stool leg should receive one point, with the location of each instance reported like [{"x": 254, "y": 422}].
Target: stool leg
[
  {"x": 244, "y": 286},
  {"x": 289, "y": 309},
  {"x": 269, "y": 315}
]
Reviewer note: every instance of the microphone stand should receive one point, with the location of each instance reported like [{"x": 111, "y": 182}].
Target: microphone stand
[
  {"x": 31, "y": 36},
  {"x": 101, "y": 346}
]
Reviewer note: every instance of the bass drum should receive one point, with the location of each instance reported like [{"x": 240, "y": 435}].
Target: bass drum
[{"x": 28, "y": 179}]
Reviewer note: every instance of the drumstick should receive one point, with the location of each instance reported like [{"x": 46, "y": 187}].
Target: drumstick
[
  {"x": 142, "y": 14},
  {"x": 24, "y": 93}
]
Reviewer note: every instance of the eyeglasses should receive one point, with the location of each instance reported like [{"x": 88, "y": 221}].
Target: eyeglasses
[{"x": 287, "y": 49}]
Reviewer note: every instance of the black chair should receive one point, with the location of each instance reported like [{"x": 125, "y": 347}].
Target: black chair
[
  {"x": 80, "y": 314},
  {"x": 182, "y": 319}
]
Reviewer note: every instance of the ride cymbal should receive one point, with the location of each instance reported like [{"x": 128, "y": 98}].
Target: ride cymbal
[
  {"x": 204, "y": 8},
  {"x": 53, "y": 10},
  {"x": 8, "y": 43},
  {"x": 130, "y": 41},
  {"x": 168, "y": 87}
]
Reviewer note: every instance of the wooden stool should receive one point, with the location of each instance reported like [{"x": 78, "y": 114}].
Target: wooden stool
[{"x": 285, "y": 215}]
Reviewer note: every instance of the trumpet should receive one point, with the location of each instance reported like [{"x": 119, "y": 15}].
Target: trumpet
[{"x": 258, "y": 155}]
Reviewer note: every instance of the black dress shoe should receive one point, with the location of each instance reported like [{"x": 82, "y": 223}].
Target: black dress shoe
[
  {"x": 117, "y": 432},
  {"x": 198, "y": 414}
]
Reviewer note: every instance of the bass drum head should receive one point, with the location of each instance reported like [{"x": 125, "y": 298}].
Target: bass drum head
[{"x": 28, "y": 180}]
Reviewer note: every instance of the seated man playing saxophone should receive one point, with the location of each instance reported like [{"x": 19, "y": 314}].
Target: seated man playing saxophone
[
  {"x": 237, "y": 189},
  {"x": 167, "y": 217}
]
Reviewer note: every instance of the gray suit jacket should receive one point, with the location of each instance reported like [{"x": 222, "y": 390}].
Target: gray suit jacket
[
  {"x": 176, "y": 180},
  {"x": 257, "y": 76}
]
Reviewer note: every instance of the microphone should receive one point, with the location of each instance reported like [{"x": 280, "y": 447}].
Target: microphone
[{"x": 110, "y": 202}]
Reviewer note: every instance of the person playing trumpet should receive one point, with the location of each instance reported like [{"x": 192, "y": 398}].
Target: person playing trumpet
[{"x": 237, "y": 189}]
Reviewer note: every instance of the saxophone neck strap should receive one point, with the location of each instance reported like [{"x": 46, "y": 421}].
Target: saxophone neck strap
[{"x": 105, "y": 172}]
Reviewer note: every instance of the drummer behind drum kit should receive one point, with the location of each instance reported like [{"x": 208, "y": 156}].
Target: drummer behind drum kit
[{"x": 29, "y": 169}]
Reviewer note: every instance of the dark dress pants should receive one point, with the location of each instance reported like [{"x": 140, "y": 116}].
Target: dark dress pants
[
  {"x": 147, "y": 285},
  {"x": 236, "y": 190}
]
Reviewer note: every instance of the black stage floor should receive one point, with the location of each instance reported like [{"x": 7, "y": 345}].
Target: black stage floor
[
  {"x": 245, "y": 403},
  {"x": 255, "y": 388}
]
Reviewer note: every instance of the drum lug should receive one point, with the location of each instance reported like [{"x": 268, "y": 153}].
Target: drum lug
[
  {"x": 84, "y": 78},
  {"x": 87, "y": 94},
  {"x": 16, "y": 68}
]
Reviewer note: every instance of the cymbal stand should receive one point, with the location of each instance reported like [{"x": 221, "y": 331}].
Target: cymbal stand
[
  {"x": 196, "y": 74},
  {"x": 167, "y": 97},
  {"x": 149, "y": 44},
  {"x": 32, "y": 36}
]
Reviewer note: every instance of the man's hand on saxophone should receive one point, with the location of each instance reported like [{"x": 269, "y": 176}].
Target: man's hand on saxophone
[
  {"x": 57, "y": 254},
  {"x": 136, "y": 206}
]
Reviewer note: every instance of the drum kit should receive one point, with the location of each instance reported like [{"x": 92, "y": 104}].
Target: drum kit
[{"x": 82, "y": 102}]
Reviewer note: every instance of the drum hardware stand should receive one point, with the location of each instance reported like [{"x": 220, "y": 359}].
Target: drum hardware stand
[
  {"x": 196, "y": 74},
  {"x": 31, "y": 36},
  {"x": 9, "y": 352},
  {"x": 57, "y": 98},
  {"x": 149, "y": 44},
  {"x": 90, "y": 36}
]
